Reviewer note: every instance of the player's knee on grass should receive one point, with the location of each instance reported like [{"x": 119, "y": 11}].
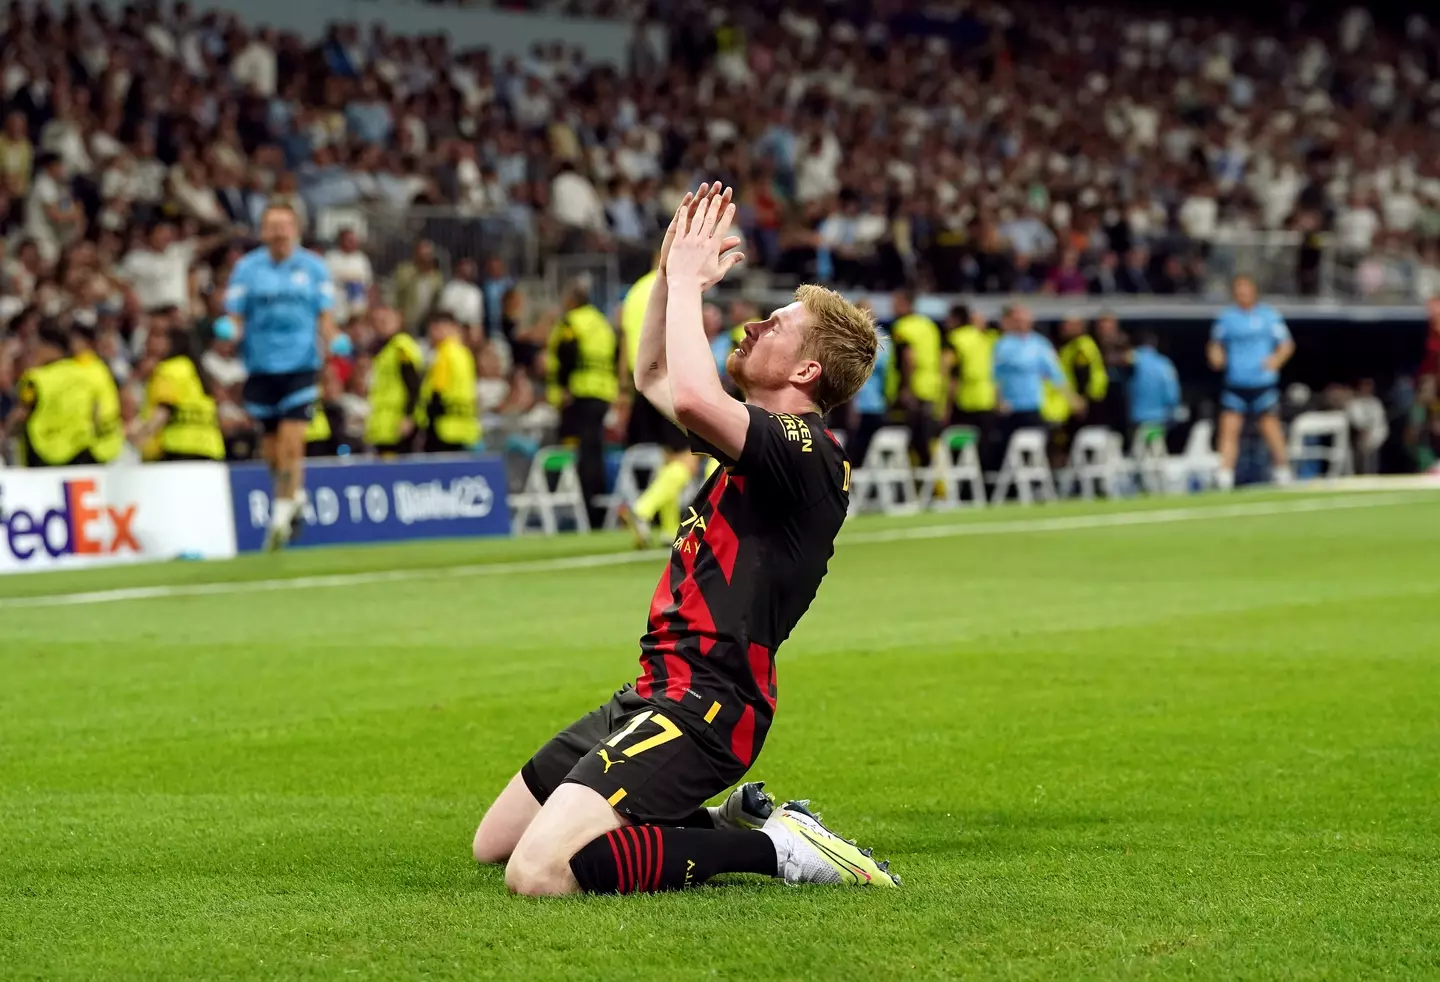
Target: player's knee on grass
[
  {"x": 543, "y": 875},
  {"x": 505, "y": 822}
]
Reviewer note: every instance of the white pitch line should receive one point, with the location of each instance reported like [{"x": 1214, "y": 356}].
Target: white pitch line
[{"x": 1159, "y": 516}]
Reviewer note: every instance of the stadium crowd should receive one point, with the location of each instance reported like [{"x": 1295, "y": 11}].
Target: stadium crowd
[{"x": 1016, "y": 148}]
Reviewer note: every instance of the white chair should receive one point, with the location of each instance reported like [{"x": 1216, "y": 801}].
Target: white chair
[
  {"x": 1026, "y": 469},
  {"x": 1151, "y": 459},
  {"x": 1200, "y": 461},
  {"x": 954, "y": 467},
  {"x": 886, "y": 472},
  {"x": 1308, "y": 435},
  {"x": 537, "y": 501},
  {"x": 1094, "y": 464},
  {"x": 642, "y": 458}
]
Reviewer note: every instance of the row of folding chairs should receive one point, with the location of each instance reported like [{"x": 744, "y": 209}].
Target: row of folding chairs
[{"x": 886, "y": 481}]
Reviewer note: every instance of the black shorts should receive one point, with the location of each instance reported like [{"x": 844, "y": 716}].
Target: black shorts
[
  {"x": 652, "y": 763},
  {"x": 649, "y": 425},
  {"x": 269, "y": 399},
  {"x": 1250, "y": 402}
]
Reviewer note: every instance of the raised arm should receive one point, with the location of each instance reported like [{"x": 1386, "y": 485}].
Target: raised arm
[
  {"x": 649, "y": 371},
  {"x": 700, "y": 402}
]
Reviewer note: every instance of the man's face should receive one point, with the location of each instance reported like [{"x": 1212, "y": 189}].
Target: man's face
[
  {"x": 279, "y": 230},
  {"x": 771, "y": 350},
  {"x": 349, "y": 241},
  {"x": 1020, "y": 321},
  {"x": 1245, "y": 292},
  {"x": 161, "y": 236},
  {"x": 1071, "y": 327}
]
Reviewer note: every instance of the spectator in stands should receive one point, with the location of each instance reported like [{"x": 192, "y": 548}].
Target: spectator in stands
[
  {"x": 53, "y": 216},
  {"x": 418, "y": 282},
  {"x": 353, "y": 275},
  {"x": 17, "y": 154},
  {"x": 463, "y": 300}
]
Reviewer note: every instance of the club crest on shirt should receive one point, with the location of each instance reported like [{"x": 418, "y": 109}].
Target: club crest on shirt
[{"x": 300, "y": 278}]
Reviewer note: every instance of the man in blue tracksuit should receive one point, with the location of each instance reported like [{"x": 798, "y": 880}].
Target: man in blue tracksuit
[
  {"x": 1250, "y": 344},
  {"x": 1154, "y": 387},
  {"x": 867, "y": 409},
  {"x": 279, "y": 298},
  {"x": 1023, "y": 361}
]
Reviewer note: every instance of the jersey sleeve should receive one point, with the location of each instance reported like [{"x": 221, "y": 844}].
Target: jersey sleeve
[
  {"x": 1050, "y": 366},
  {"x": 1279, "y": 330},
  {"x": 1217, "y": 330},
  {"x": 237, "y": 292},
  {"x": 784, "y": 455}
]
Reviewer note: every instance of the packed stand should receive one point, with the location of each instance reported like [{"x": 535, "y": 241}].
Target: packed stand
[{"x": 1026, "y": 149}]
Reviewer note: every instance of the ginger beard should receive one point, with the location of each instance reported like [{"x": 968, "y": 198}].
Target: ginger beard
[{"x": 771, "y": 351}]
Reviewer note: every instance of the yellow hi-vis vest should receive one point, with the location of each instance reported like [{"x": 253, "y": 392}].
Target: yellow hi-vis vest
[
  {"x": 593, "y": 375},
  {"x": 318, "y": 431},
  {"x": 450, "y": 383},
  {"x": 193, "y": 428},
  {"x": 632, "y": 314},
  {"x": 61, "y": 424},
  {"x": 1078, "y": 355},
  {"x": 975, "y": 349},
  {"x": 922, "y": 336},
  {"x": 109, "y": 433},
  {"x": 388, "y": 396}
]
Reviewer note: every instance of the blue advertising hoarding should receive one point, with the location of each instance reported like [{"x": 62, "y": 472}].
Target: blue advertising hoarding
[{"x": 376, "y": 501}]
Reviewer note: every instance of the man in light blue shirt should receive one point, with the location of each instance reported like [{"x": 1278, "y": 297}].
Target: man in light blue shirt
[
  {"x": 1024, "y": 360},
  {"x": 1154, "y": 386},
  {"x": 279, "y": 298},
  {"x": 868, "y": 408},
  {"x": 1250, "y": 344}
]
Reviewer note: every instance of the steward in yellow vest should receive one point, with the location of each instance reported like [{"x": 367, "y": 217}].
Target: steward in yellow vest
[
  {"x": 1084, "y": 367},
  {"x": 582, "y": 358},
  {"x": 109, "y": 430},
  {"x": 394, "y": 386},
  {"x": 972, "y": 348},
  {"x": 179, "y": 409},
  {"x": 326, "y": 432},
  {"x": 446, "y": 412},
  {"x": 916, "y": 382},
  {"x": 57, "y": 406},
  {"x": 582, "y": 375}
]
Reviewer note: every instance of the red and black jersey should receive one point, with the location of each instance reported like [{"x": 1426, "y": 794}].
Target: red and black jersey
[{"x": 750, "y": 554}]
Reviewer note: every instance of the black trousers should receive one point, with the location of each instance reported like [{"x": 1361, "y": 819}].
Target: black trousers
[
  {"x": 924, "y": 428},
  {"x": 582, "y": 423},
  {"x": 987, "y": 445},
  {"x": 865, "y": 428}
]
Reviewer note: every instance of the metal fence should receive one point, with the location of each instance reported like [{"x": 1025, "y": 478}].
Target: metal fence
[{"x": 1284, "y": 264}]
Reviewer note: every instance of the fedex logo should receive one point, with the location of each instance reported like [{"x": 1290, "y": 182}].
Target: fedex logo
[{"x": 80, "y": 526}]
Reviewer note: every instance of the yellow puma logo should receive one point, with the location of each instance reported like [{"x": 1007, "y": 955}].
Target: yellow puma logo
[
  {"x": 689, "y": 871},
  {"x": 605, "y": 759}
]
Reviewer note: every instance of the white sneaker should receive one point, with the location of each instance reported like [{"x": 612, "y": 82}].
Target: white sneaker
[
  {"x": 808, "y": 852},
  {"x": 1283, "y": 477},
  {"x": 748, "y": 807}
]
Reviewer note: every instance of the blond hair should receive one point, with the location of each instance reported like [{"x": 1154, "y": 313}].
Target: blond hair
[{"x": 843, "y": 340}]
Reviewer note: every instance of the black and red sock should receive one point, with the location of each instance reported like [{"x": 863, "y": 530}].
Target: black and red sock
[{"x": 647, "y": 858}]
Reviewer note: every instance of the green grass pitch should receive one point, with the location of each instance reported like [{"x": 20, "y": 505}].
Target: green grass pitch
[{"x": 1201, "y": 743}]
